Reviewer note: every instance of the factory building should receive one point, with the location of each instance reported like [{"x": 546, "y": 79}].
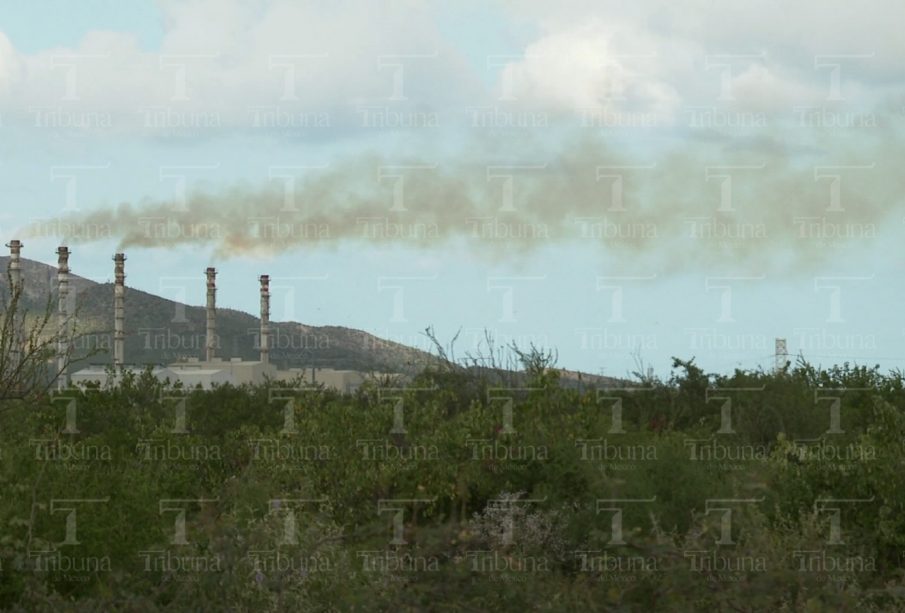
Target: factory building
[{"x": 206, "y": 372}]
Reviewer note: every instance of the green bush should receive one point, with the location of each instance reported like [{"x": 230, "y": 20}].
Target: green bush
[{"x": 751, "y": 491}]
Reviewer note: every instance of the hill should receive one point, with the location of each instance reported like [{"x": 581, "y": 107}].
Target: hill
[{"x": 160, "y": 331}]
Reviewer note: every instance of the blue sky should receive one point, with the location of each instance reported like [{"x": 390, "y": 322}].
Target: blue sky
[{"x": 783, "y": 133}]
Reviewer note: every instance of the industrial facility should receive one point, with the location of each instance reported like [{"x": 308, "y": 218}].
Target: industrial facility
[{"x": 205, "y": 371}]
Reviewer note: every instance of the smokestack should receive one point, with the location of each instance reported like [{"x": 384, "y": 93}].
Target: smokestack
[
  {"x": 15, "y": 290},
  {"x": 15, "y": 265},
  {"x": 265, "y": 318},
  {"x": 211, "y": 340},
  {"x": 62, "y": 316},
  {"x": 119, "y": 316}
]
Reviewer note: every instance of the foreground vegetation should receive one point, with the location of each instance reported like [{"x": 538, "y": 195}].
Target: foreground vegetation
[{"x": 747, "y": 492}]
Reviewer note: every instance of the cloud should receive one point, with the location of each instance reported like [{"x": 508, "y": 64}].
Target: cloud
[
  {"x": 816, "y": 43},
  {"x": 579, "y": 70},
  {"x": 298, "y": 57}
]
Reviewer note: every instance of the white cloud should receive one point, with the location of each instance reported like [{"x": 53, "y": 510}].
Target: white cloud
[
  {"x": 232, "y": 56},
  {"x": 581, "y": 69},
  {"x": 9, "y": 68}
]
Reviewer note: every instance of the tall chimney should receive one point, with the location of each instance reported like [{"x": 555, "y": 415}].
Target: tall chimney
[
  {"x": 119, "y": 316},
  {"x": 15, "y": 292},
  {"x": 211, "y": 339},
  {"x": 62, "y": 316},
  {"x": 15, "y": 266},
  {"x": 265, "y": 318}
]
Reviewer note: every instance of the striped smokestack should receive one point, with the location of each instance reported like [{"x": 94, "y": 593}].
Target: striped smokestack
[
  {"x": 15, "y": 292},
  {"x": 265, "y": 318},
  {"x": 211, "y": 339},
  {"x": 15, "y": 264},
  {"x": 119, "y": 316},
  {"x": 62, "y": 316}
]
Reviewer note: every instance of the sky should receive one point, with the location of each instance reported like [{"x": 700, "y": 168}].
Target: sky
[{"x": 622, "y": 184}]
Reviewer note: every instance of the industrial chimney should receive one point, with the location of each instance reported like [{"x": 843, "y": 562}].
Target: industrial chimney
[
  {"x": 15, "y": 290},
  {"x": 211, "y": 339},
  {"x": 119, "y": 292},
  {"x": 15, "y": 265},
  {"x": 265, "y": 318},
  {"x": 62, "y": 316}
]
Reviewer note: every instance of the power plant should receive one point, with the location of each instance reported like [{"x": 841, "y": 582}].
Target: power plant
[{"x": 205, "y": 371}]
